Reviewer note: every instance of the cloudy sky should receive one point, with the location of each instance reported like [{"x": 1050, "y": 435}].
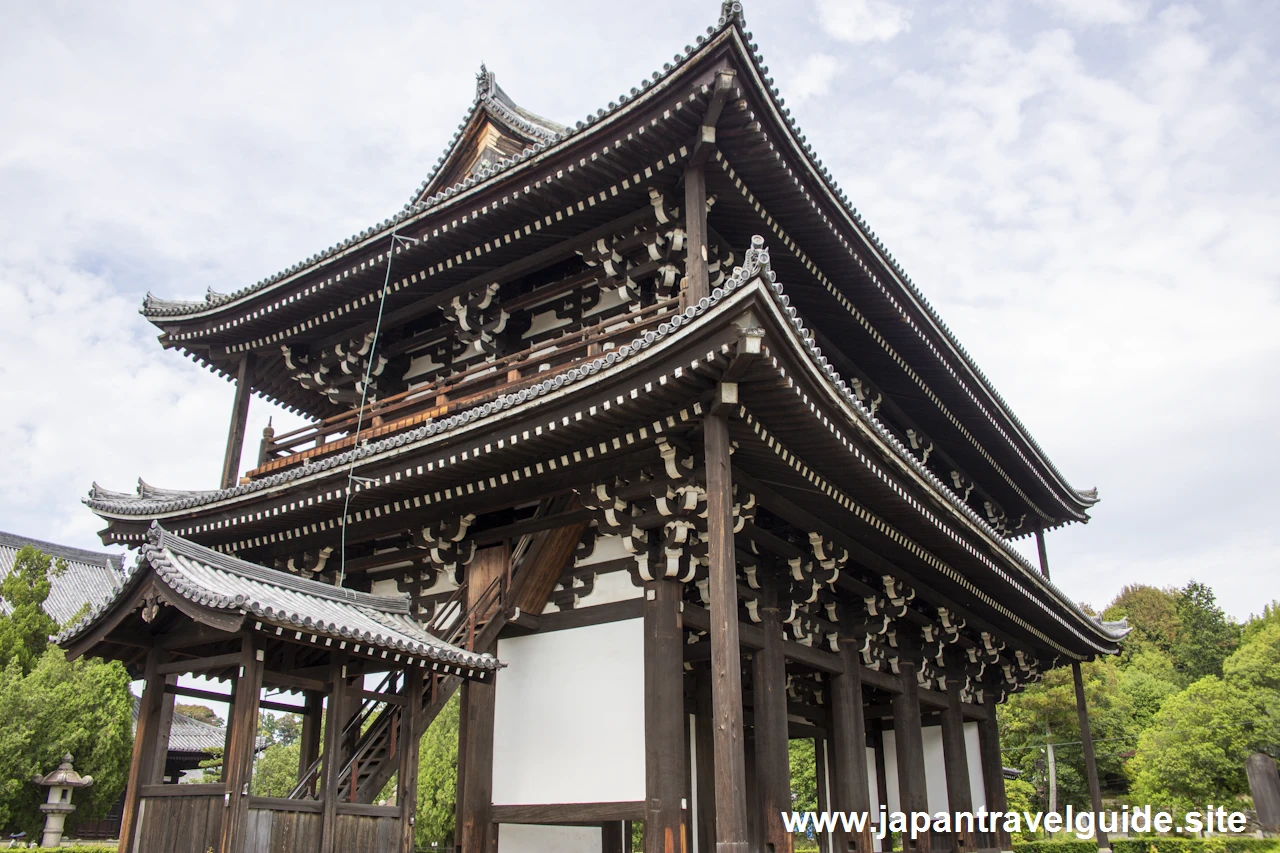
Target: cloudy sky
[{"x": 1086, "y": 189}]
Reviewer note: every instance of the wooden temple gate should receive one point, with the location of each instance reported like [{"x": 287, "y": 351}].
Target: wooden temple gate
[{"x": 565, "y": 413}]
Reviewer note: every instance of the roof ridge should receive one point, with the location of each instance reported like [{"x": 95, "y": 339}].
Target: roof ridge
[{"x": 66, "y": 552}]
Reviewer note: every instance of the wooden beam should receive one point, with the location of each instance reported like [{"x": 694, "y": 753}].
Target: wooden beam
[
  {"x": 696, "y": 276},
  {"x": 296, "y": 682},
  {"x": 163, "y": 729},
  {"x": 569, "y": 813},
  {"x": 183, "y": 667},
  {"x": 309, "y": 739},
  {"x": 475, "y": 756},
  {"x": 1044, "y": 553},
  {"x": 237, "y": 763},
  {"x": 955, "y": 761},
  {"x": 144, "y": 747},
  {"x": 664, "y": 719},
  {"x": 332, "y": 768},
  {"x": 993, "y": 773},
  {"x": 1090, "y": 760},
  {"x": 912, "y": 793},
  {"x": 772, "y": 759},
  {"x": 239, "y": 418},
  {"x": 851, "y": 788},
  {"x": 407, "y": 773},
  {"x": 726, "y": 655}
]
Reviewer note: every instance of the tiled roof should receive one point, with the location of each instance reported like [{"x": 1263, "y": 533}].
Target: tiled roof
[
  {"x": 221, "y": 582},
  {"x": 755, "y": 267},
  {"x": 187, "y": 734},
  {"x": 90, "y": 576}
]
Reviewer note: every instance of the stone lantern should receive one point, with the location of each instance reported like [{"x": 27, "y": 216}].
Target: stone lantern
[{"x": 58, "y": 805}]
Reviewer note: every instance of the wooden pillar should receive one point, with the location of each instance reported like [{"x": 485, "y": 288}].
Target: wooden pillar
[
  {"x": 1044, "y": 554},
  {"x": 1090, "y": 760},
  {"x": 704, "y": 752},
  {"x": 696, "y": 277},
  {"x": 993, "y": 773},
  {"x": 239, "y": 419},
  {"x": 772, "y": 758},
  {"x": 407, "y": 772},
  {"x": 882, "y": 778},
  {"x": 309, "y": 739},
  {"x": 912, "y": 792},
  {"x": 332, "y": 768},
  {"x": 821, "y": 771},
  {"x": 664, "y": 719},
  {"x": 726, "y": 656},
  {"x": 145, "y": 743},
  {"x": 164, "y": 726},
  {"x": 475, "y": 797},
  {"x": 237, "y": 763},
  {"x": 955, "y": 760},
  {"x": 611, "y": 837},
  {"x": 851, "y": 787}
]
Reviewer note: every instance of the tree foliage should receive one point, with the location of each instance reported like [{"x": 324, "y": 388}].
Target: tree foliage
[
  {"x": 438, "y": 778},
  {"x": 25, "y": 631},
  {"x": 203, "y": 713},
  {"x": 1206, "y": 636},
  {"x": 51, "y": 706}
]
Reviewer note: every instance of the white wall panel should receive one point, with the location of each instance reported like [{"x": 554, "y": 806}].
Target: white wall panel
[
  {"x": 526, "y": 838},
  {"x": 569, "y": 716},
  {"x": 974, "y": 757}
]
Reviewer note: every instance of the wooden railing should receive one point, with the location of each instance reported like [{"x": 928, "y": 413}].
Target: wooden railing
[{"x": 456, "y": 392}]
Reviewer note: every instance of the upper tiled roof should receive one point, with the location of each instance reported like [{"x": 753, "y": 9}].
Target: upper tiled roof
[
  {"x": 221, "y": 582},
  {"x": 90, "y": 575}
]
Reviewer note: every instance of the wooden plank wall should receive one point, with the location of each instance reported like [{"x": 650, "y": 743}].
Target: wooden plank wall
[
  {"x": 367, "y": 832},
  {"x": 272, "y": 831},
  {"x": 189, "y": 824}
]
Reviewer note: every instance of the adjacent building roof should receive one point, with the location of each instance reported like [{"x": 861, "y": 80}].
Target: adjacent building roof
[
  {"x": 189, "y": 735},
  {"x": 222, "y": 583},
  {"x": 90, "y": 576}
]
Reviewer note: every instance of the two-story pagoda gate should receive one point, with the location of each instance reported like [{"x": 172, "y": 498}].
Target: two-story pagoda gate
[{"x": 700, "y": 496}]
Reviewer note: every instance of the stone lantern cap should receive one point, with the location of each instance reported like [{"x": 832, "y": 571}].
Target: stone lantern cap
[{"x": 64, "y": 777}]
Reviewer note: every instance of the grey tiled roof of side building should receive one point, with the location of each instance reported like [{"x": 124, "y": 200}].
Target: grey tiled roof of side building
[{"x": 91, "y": 576}]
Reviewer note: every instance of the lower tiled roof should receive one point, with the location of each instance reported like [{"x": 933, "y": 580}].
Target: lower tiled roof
[{"x": 90, "y": 576}]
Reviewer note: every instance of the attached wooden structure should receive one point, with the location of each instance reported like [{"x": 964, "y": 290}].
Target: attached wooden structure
[
  {"x": 653, "y": 415},
  {"x": 186, "y": 609}
]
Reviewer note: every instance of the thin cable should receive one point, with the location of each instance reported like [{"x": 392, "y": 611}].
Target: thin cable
[{"x": 364, "y": 391}]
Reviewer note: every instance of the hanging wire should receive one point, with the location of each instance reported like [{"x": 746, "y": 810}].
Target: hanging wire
[{"x": 396, "y": 240}]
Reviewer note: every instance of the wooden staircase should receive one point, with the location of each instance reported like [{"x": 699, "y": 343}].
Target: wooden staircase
[{"x": 369, "y": 736}]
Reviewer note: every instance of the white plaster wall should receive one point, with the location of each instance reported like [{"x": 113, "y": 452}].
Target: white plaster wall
[
  {"x": 871, "y": 780},
  {"x": 606, "y": 548},
  {"x": 527, "y": 838},
  {"x": 977, "y": 784},
  {"x": 569, "y": 716},
  {"x": 891, "y": 770}
]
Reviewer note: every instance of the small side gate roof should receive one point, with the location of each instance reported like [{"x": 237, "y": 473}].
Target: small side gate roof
[{"x": 229, "y": 594}]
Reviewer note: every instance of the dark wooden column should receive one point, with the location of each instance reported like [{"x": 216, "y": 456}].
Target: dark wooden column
[
  {"x": 912, "y": 790},
  {"x": 407, "y": 772},
  {"x": 704, "y": 751},
  {"x": 239, "y": 418},
  {"x": 309, "y": 739},
  {"x": 956, "y": 762},
  {"x": 1090, "y": 760},
  {"x": 726, "y": 655},
  {"x": 145, "y": 741},
  {"x": 851, "y": 787},
  {"x": 664, "y": 719},
  {"x": 772, "y": 758},
  {"x": 993, "y": 772},
  {"x": 237, "y": 764},
  {"x": 164, "y": 726},
  {"x": 332, "y": 769},
  {"x": 1044, "y": 554},
  {"x": 696, "y": 278},
  {"x": 475, "y": 754},
  {"x": 613, "y": 838}
]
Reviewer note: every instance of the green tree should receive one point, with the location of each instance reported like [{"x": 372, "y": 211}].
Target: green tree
[
  {"x": 25, "y": 630},
  {"x": 83, "y": 707},
  {"x": 804, "y": 775},
  {"x": 438, "y": 778},
  {"x": 203, "y": 713},
  {"x": 1206, "y": 635},
  {"x": 275, "y": 771},
  {"x": 1195, "y": 749},
  {"x": 1152, "y": 614}
]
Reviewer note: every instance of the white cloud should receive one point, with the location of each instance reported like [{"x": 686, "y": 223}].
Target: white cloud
[
  {"x": 862, "y": 21},
  {"x": 812, "y": 79},
  {"x": 1100, "y": 12}
]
